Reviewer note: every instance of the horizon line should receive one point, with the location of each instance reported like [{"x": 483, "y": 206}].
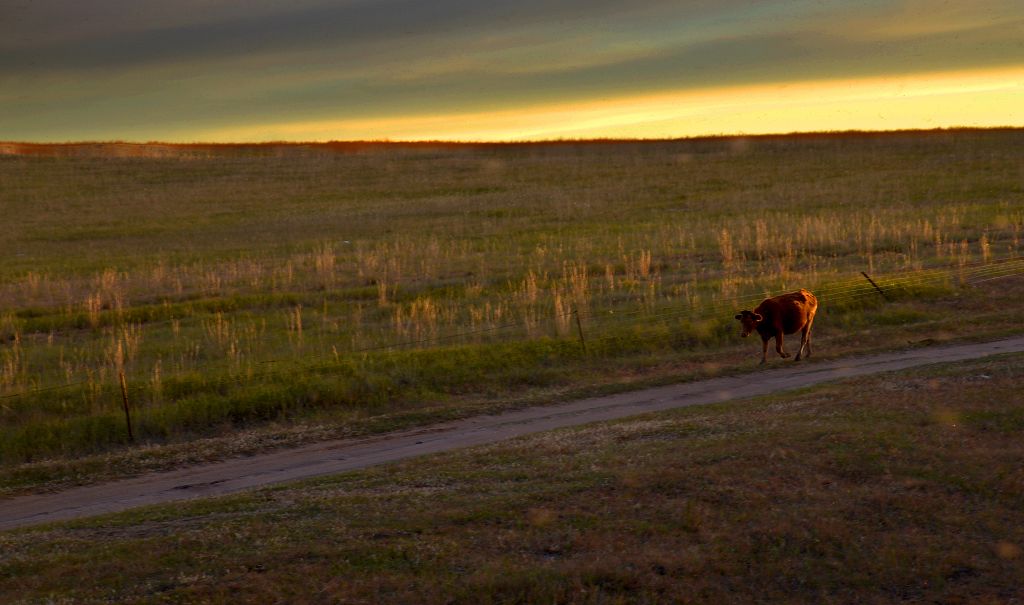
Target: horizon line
[{"x": 521, "y": 142}]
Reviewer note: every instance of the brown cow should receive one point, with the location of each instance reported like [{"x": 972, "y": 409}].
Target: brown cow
[{"x": 778, "y": 315}]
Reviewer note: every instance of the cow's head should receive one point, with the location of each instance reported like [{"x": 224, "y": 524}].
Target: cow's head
[{"x": 748, "y": 322}]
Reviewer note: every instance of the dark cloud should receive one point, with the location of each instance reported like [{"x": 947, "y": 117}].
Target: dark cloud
[{"x": 334, "y": 27}]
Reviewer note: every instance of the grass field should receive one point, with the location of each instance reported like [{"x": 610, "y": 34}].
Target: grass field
[
  {"x": 903, "y": 487},
  {"x": 255, "y": 295}
]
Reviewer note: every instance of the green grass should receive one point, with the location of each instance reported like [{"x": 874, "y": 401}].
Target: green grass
[
  {"x": 192, "y": 273},
  {"x": 372, "y": 394},
  {"x": 899, "y": 487}
]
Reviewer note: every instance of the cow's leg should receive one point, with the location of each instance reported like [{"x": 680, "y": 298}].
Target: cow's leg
[
  {"x": 810, "y": 322},
  {"x": 764, "y": 350},
  {"x": 778, "y": 345},
  {"x": 805, "y": 337}
]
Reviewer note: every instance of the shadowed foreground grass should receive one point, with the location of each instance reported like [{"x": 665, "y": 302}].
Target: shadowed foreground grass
[{"x": 905, "y": 487}]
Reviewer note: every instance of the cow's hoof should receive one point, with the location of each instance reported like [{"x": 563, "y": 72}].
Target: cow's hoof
[
  {"x": 784, "y": 355},
  {"x": 797, "y": 358}
]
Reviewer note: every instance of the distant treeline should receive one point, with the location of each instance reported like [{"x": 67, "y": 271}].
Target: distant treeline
[{"x": 124, "y": 149}]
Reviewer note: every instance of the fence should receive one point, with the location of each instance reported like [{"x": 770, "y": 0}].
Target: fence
[{"x": 596, "y": 328}]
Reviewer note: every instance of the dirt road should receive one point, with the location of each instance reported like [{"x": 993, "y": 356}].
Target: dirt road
[{"x": 338, "y": 456}]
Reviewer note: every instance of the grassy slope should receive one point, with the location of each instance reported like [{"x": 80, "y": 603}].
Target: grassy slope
[
  {"x": 188, "y": 272},
  {"x": 904, "y": 487},
  {"x": 878, "y": 327}
]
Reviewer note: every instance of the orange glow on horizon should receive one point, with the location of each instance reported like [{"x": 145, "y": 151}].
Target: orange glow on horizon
[{"x": 980, "y": 98}]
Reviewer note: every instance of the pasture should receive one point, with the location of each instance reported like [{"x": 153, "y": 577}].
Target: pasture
[{"x": 262, "y": 296}]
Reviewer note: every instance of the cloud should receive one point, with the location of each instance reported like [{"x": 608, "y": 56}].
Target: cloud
[
  {"x": 138, "y": 66},
  {"x": 116, "y": 33}
]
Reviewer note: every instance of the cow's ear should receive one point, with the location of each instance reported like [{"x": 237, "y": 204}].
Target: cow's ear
[
  {"x": 739, "y": 316},
  {"x": 758, "y": 317}
]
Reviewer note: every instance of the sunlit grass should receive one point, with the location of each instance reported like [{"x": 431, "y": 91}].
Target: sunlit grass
[{"x": 244, "y": 286}]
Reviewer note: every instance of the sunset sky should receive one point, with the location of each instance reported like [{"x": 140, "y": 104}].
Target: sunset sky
[{"x": 314, "y": 70}]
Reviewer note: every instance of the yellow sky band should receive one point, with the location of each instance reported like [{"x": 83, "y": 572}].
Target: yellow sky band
[{"x": 993, "y": 97}]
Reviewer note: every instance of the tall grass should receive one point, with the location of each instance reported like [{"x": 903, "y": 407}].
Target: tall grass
[{"x": 191, "y": 273}]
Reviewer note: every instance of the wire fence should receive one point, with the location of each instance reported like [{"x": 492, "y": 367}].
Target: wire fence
[
  {"x": 856, "y": 290},
  {"x": 593, "y": 324}
]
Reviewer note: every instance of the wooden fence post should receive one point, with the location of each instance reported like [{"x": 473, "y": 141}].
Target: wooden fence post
[
  {"x": 579, "y": 327},
  {"x": 880, "y": 291},
  {"x": 127, "y": 413}
]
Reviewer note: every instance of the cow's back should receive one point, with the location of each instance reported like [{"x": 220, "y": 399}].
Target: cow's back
[{"x": 788, "y": 312}]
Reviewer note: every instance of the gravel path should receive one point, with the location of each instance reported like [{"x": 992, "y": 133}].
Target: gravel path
[{"x": 337, "y": 456}]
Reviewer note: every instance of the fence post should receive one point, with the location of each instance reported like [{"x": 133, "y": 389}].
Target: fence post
[
  {"x": 127, "y": 414},
  {"x": 880, "y": 291},
  {"x": 579, "y": 327}
]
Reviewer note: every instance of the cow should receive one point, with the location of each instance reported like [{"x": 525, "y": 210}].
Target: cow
[{"x": 779, "y": 315}]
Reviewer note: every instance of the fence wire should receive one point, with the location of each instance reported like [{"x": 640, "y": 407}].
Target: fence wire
[{"x": 828, "y": 293}]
